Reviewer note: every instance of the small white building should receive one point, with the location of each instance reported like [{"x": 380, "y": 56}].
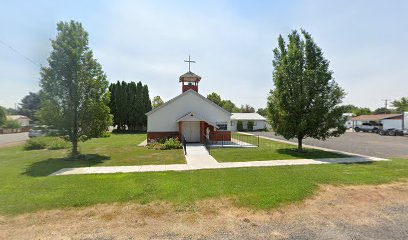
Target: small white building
[
  {"x": 258, "y": 120},
  {"x": 189, "y": 115},
  {"x": 22, "y": 120}
]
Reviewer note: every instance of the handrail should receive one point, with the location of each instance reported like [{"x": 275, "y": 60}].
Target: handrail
[
  {"x": 207, "y": 144},
  {"x": 184, "y": 143}
]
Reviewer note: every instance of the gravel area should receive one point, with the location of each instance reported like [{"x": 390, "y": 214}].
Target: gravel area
[
  {"x": 361, "y": 143},
  {"x": 353, "y": 212}
]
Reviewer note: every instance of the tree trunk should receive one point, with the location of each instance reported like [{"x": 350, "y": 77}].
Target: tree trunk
[
  {"x": 75, "y": 134},
  {"x": 300, "y": 143},
  {"x": 74, "y": 147}
]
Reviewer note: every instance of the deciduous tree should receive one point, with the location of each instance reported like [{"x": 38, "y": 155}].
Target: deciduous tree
[
  {"x": 29, "y": 105},
  {"x": 3, "y": 116},
  {"x": 215, "y": 98},
  {"x": 74, "y": 87},
  {"x": 305, "y": 100},
  {"x": 401, "y": 105},
  {"x": 157, "y": 102}
]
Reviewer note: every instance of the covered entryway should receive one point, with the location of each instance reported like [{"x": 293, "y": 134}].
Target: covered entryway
[
  {"x": 191, "y": 131},
  {"x": 193, "y": 127}
]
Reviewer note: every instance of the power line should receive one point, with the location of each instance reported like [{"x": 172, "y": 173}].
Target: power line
[{"x": 19, "y": 53}]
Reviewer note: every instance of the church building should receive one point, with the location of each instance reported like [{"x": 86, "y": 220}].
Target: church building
[{"x": 190, "y": 115}]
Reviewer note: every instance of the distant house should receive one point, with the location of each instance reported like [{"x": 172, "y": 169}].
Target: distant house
[
  {"x": 385, "y": 121},
  {"x": 22, "y": 120},
  {"x": 259, "y": 121}
]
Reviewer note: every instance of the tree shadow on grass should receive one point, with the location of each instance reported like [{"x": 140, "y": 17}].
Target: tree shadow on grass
[
  {"x": 310, "y": 153},
  {"x": 50, "y": 165},
  {"x": 320, "y": 155}
]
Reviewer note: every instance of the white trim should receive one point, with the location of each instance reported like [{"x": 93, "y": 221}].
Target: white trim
[
  {"x": 184, "y": 93},
  {"x": 187, "y": 118}
]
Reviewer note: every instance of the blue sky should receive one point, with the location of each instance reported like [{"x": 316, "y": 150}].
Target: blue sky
[{"x": 232, "y": 42}]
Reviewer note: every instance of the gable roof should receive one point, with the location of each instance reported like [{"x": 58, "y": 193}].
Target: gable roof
[
  {"x": 246, "y": 116},
  {"x": 375, "y": 117},
  {"x": 183, "y": 94},
  {"x": 192, "y": 115},
  {"x": 15, "y": 117}
]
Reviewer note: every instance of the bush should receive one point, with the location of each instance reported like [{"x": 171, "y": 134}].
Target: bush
[
  {"x": 166, "y": 144},
  {"x": 172, "y": 143},
  {"x": 36, "y": 143},
  {"x": 51, "y": 143},
  {"x": 106, "y": 134},
  {"x": 58, "y": 143},
  {"x": 250, "y": 125},
  {"x": 240, "y": 126}
]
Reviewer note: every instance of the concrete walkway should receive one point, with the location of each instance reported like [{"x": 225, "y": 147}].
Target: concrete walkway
[{"x": 198, "y": 158}]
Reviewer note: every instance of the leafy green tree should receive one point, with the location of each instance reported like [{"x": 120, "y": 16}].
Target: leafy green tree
[
  {"x": 11, "y": 124},
  {"x": 12, "y": 111},
  {"x": 74, "y": 87},
  {"x": 157, "y": 102},
  {"x": 305, "y": 101},
  {"x": 215, "y": 98},
  {"x": 229, "y": 106},
  {"x": 383, "y": 110},
  {"x": 3, "y": 116},
  {"x": 29, "y": 105},
  {"x": 247, "y": 109},
  {"x": 262, "y": 111},
  {"x": 356, "y": 110},
  {"x": 401, "y": 105}
]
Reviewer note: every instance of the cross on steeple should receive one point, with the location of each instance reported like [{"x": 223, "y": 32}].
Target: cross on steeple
[{"x": 189, "y": 62}]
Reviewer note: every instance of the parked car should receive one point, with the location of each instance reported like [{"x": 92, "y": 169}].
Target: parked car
[
  {"x": 392, "y": 132},
  {"x": 367, "y": 127},
  {"x": 38, "y": 131}
]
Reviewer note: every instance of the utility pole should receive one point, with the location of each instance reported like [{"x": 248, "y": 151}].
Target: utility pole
[{"x": 386, "y": 102}]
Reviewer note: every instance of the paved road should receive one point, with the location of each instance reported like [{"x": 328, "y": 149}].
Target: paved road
[
  {"x": 7, "y": 139},
  {"x": 361, "y": 143}
]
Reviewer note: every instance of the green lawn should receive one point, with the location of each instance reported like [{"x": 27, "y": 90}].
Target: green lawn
[
  {"x": 117, "y": 150},
  {"x": 25, "y": 186},
  {"x": 268, "y": 150}
]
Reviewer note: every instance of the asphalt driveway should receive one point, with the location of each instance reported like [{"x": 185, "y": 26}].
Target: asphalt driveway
[
  {"x": 361, "y": 143},
  {"x": 12, "y": 138}
]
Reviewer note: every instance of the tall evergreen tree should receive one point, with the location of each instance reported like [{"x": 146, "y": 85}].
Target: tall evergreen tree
[
  {"x": 74, "y": 87},
  {"x": 147, "y": 104},
  {"x": 132, "y": 108},
  {"x": 140, "y": 106},
  {"x": 305, "y": 101}
]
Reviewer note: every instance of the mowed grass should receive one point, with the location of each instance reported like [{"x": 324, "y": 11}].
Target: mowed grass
[
  {"x": 268, "y": 150},
  {"x": 25, "y": 186},
  {"x": 117, "y": 150}
]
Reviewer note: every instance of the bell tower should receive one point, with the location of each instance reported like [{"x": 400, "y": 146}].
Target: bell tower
[{"x": 189, "y": 80}]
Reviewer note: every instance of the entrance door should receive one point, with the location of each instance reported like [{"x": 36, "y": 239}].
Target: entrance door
[{"x": 191, "y": 131}]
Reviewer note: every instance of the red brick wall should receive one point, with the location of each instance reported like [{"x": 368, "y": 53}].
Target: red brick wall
[
  {"x": 220, "y": 135},
  {"x": 160, "y": 135},
  {"x": 187, "y": 87}
]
